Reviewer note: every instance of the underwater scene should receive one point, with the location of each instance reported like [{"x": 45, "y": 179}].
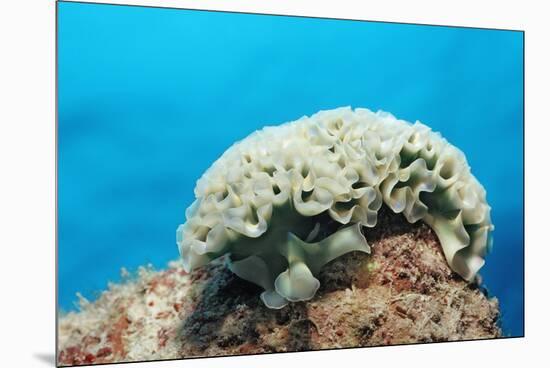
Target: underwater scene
[{"x": 382, "y": 205}]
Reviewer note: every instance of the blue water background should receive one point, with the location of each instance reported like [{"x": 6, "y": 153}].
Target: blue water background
[{"x": 149, "y": 98}]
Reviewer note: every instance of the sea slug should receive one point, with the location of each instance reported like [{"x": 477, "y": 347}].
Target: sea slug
[{"x": 288, "y": 199}]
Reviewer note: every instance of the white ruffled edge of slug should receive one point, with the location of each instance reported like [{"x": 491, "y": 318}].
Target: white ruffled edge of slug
[{"x": 347, "y": 163}]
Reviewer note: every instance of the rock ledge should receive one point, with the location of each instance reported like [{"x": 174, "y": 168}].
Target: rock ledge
[{"x": 404, "y": 292}]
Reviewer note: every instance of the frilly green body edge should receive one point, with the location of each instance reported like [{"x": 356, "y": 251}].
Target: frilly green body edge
[{"x": 288, "y": 199}]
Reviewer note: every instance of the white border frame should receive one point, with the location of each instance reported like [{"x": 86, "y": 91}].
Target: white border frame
[{"x": 27, "y": 202}]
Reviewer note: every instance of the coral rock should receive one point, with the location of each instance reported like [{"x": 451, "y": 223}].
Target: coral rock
[{"x": 403, "y": 292}]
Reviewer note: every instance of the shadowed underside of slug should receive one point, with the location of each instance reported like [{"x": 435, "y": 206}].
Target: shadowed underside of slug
[{"x": 288, "y": 199}]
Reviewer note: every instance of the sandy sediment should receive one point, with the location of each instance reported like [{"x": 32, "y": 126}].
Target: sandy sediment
[{"x": 404, "y": 292}]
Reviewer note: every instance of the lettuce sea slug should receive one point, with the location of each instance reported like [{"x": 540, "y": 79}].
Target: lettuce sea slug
[{"x": 288, "y": 199}]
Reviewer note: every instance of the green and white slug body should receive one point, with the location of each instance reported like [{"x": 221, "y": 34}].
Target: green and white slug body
[{"x": 288, "y": 199}]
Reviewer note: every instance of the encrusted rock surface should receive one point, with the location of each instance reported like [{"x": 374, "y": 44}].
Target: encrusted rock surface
[{"x": 404, "y": 292}]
